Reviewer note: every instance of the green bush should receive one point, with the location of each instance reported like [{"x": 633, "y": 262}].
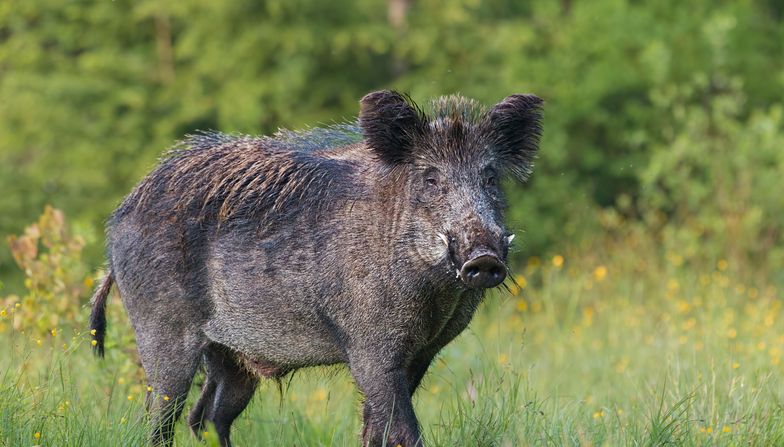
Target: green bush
[
  {"x": 713, "y": 180},
  {"x": 56, "y": 280}
]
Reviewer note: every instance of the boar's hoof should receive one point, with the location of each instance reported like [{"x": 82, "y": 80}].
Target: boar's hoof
[{"x": 483, "y": 271}]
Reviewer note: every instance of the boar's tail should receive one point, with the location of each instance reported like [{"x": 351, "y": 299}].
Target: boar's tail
[{"x": 98, "y": 315}]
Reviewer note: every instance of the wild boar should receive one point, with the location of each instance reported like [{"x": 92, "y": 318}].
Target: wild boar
[{"x": 368, "y": 244}]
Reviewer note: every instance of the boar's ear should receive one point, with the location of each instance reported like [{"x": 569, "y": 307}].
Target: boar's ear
[
  {"x": 517, "y": 126},
  {"x": 390, "y": 123}
]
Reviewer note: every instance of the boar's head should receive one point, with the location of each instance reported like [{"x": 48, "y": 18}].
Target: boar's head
[{"x": 452, "y": 161}]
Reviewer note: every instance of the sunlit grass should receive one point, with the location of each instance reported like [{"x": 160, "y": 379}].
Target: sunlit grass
[{"x": 621, "y": 349}]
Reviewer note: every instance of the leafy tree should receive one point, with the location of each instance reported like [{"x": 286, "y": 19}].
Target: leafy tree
[{"x": 93, "y": 92}]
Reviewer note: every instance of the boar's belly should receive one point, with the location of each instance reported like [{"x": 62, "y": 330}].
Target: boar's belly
[{"x": 285, "y": 341}]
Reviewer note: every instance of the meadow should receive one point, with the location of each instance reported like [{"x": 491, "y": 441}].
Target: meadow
[
  {"x": 647, "y": 302},
  {"x": 612, "y": 343}
]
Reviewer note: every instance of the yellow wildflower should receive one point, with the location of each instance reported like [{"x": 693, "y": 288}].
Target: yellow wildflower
[
  {"x": 166, "y": 398},
  {"x": 675, "y": 259},
  {"x": 92, "y": 332},
  {"x": 536, "y": 306},
  {"x": 37, "y": 435},
  {"x": 94, "y": 342},
  {"x": 735, "y": 365},
  {"x": 732, "y": 332},
  {"x": 726, "y": 429},
  {"x": 320, "y": 395},
  {"x": 54, "y": 332},
  {"x": 683, "y": 306},
  {"x": 130, "y": 397},
  {"x": 558, "y": 261},
  {"x": 599, "y": 273},
  {"x": 722, "y": 264}
]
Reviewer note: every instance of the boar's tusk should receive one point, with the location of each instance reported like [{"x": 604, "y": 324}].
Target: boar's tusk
[
  {"x": 510, "y": 238},
  {"x": 443, "y": 237}
]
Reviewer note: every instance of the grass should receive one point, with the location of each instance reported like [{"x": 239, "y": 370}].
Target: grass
[{"x": 613, "y": 349}]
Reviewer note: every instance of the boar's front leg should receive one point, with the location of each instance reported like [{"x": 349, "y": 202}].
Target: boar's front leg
[
  {"x": 422, "y": 360},
  {"x": 388, "y": 411},
  {"x": 418, "y": 367}
]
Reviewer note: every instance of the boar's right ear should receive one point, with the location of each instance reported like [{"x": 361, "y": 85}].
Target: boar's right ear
[
  {"x": 390, "y": 123},
  {"x": 516, "y": 123}
]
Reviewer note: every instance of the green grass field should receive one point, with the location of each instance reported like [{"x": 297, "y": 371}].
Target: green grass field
[{"x": 610, "y": 349}]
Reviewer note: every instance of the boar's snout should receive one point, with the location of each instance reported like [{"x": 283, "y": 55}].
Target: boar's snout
[{"x": 483, "y": 270}]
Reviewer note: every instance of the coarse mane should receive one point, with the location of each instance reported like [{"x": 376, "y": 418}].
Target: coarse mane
[
  {"x": 211, "y": 177},
  {"x": 457, "y": 108}
]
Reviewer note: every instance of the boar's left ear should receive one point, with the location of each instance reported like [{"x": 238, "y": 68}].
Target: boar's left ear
[
  {"x": 517, "y": 126},
  {"x": 390, "y": 123}
]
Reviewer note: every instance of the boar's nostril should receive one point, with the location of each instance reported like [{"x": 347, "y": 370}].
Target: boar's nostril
[{"x": 483, "y": 272}]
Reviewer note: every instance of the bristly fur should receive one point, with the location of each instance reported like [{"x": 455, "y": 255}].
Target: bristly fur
[
  {"x": 214, "y": 177},
  {"x": 458, "y": 109},
  {"x": 98, "y": 314},
  {"x": 320, "y": 138}
]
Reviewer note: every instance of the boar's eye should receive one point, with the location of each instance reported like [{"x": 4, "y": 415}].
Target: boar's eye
[{"x": 432, "y": 178}]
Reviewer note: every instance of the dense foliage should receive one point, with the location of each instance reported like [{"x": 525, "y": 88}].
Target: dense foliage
[{"x": 664, "y": 114}]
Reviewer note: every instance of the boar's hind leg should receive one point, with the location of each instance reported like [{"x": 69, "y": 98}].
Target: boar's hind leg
[
  {"x": 388, "y": 411},
  {"x": 226, "y": 392},
  {"x": 169, "y": 364}
]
